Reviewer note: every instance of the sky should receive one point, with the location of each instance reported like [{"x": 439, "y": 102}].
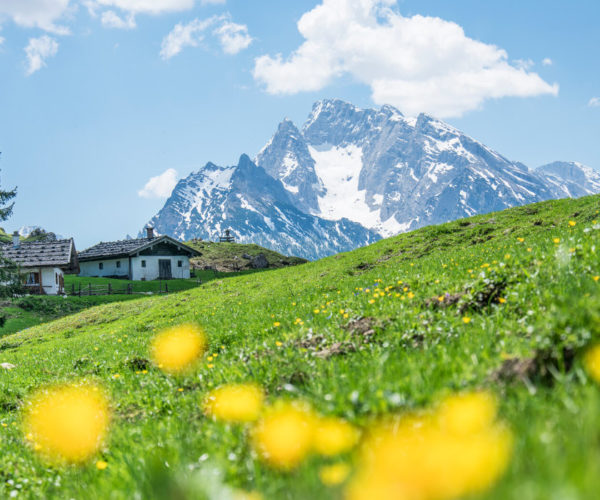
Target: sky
[{"x": 105, "y": 104}]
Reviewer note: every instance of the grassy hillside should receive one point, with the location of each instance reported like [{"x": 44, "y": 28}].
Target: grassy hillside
[
  {"x": 228, "y": 257},
  {"x": 26, "y": 312},
  {"x": 504, "y": 302}
]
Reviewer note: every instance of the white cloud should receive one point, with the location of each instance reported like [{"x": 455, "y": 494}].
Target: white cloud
[
  {"x": 594, "y": 102},
  {"x": 36, "y": 13},
  {"x": 547, "y": 61},
  {"x": 160, "y": 186},
  {"x": 110, "y": 19},
  {"x": 524, "y": 64},
  {"x": 233, "y": 37},
  {"x": 149, "y": 6},
  {"x": 212, "y": 2},
  {"x": 419, "y": 64},
  {"x": 38, "y": 50},
  {"x": 1, "y": 40},
  {"x": 184, "y": 35}
]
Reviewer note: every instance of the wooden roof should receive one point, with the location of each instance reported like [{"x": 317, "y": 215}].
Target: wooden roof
[
  {"x": 128, "y": 248},
  {"x": 58, "y": 253}
]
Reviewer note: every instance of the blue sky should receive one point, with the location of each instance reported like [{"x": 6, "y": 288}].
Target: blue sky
[{"x": 99, "y": 96}]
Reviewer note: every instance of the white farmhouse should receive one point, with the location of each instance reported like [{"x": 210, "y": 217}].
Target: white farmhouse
[
  {"x": 42, "y": 264},
  {"x": 142, "y": 259}
]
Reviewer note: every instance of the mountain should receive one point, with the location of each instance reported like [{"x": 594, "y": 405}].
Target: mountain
[
  {"x": 349, "y": 176},
  {"x": 392, "y": 173},
  {"x": 571, "y": 179},
  {"x": 257, "y": 208}
]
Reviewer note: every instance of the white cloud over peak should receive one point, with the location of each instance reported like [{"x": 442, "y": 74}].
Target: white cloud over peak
[
  {"x": 38, "y": 50},
  {"x": 160, "y": 186},
  {"x": 594, "y": 102},
  {"x": 233, "y": 37},
  {"x": 110, "y": 19},
  {"x": 418, "y": 63},
  {"x": 36, "y": 14}
]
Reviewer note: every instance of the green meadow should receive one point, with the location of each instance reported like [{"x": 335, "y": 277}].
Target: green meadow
[{"x": 506, "y": 302}]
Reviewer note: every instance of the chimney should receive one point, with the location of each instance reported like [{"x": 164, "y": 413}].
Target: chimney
[
  {"x": 16, "y": 239},
  {"x": 149, "y": 232}
]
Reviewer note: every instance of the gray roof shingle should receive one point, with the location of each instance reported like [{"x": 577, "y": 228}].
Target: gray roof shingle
[
  {"x": 123, "y": 248},
  {"x": 59, "y": 253}
]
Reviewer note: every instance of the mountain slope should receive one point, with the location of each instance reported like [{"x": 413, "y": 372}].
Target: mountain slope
[
  {"x": 571, "y": 179},
  {"x": 257, "y": 208},
  {"x": 392, "y": 173},
  {"x": 527, "y": 349}
]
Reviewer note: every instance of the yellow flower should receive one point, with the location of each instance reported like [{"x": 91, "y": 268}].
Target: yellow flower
[
  {"x": 455, "y": 451},
  {"x": 332, "y": 475},
  {"x": 502, "y": 300},
  {"x": 596, "y": 278},
  {"x": 520, "y": 240},
  {"x": 556, "y": 240},
  {"x": 372, "y": 301},
  {"x": 466, "y": 320},
  {"x": 67, "y": 423},
  {"x": 572, "y": 223},
  {"x": 235, "y": 403},
  {"x": 276, "y": 324},
  {"x": 283, "y": 437},
  {"x": 316, "y": 311},
  {"x": 177, "y": 349},
  {"x": 247, "y": 495},
  {"x": 333, "y": 436},
  {"x": 591, "y": 361},
  {"x": 101, "y": 465}
]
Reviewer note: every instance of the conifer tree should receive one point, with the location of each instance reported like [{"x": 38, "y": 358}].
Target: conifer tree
[{"x": 9, "y": 273}]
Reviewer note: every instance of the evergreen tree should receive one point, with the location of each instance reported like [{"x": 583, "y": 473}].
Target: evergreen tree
[{"x": 10, "y": 283}]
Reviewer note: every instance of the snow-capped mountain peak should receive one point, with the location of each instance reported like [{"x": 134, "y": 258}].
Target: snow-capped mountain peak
[{"x": 349, "y": 175}]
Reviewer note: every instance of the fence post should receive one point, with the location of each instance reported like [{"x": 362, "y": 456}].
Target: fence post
[
  {"x": 90, "y": 289},
  {"x": 109, "y": 289},
  {"x": 80, "y": 289},
  {"x": 72, "y": 288},
  {"x": 129, "y": 288},
  {"x": 166, "y": 287}
]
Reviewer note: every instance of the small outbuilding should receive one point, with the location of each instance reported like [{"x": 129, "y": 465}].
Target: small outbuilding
[
  {"x": 141, "y": 259},
  {"x": 42, "y": 264}
]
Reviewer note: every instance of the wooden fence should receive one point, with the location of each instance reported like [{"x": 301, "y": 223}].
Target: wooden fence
[{"x": 109, "y": 289}]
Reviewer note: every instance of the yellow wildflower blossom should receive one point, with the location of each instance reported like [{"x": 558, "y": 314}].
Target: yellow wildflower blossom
[
  {"x": 283, "y": 437},
  {"x": 333, "y": 436},
  {"x": 235, "y": 403},
  {"x": 67, "y": 423},
  {"x": 177, "y": 349},
  {"x": 591, "y": 361},
  {"x": 457, "y": 450},
  {"x": 332, "y": 475}
]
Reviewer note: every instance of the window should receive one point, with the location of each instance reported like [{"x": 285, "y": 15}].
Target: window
[
  {"x": 101, "y": 265},
  {"x": 56, "y": 278},
  {"x": 179, "y": 263},
  {"x": 143, "y": 263},
  {"x": 118, "y": 264},
  {"x": 32, "y": 279}
]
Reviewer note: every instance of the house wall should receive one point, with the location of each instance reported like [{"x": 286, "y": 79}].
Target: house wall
[
  {"x": 50, "y": 278},
  {"x": 91, "y": 269},
  {"x": 151, "y": 271}
]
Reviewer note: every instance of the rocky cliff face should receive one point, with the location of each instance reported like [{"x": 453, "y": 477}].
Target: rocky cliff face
[
  {"x": 350, "y": 176},
  {"x": 391, "y": 173},
  {"x": 257, "y": 208}
]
